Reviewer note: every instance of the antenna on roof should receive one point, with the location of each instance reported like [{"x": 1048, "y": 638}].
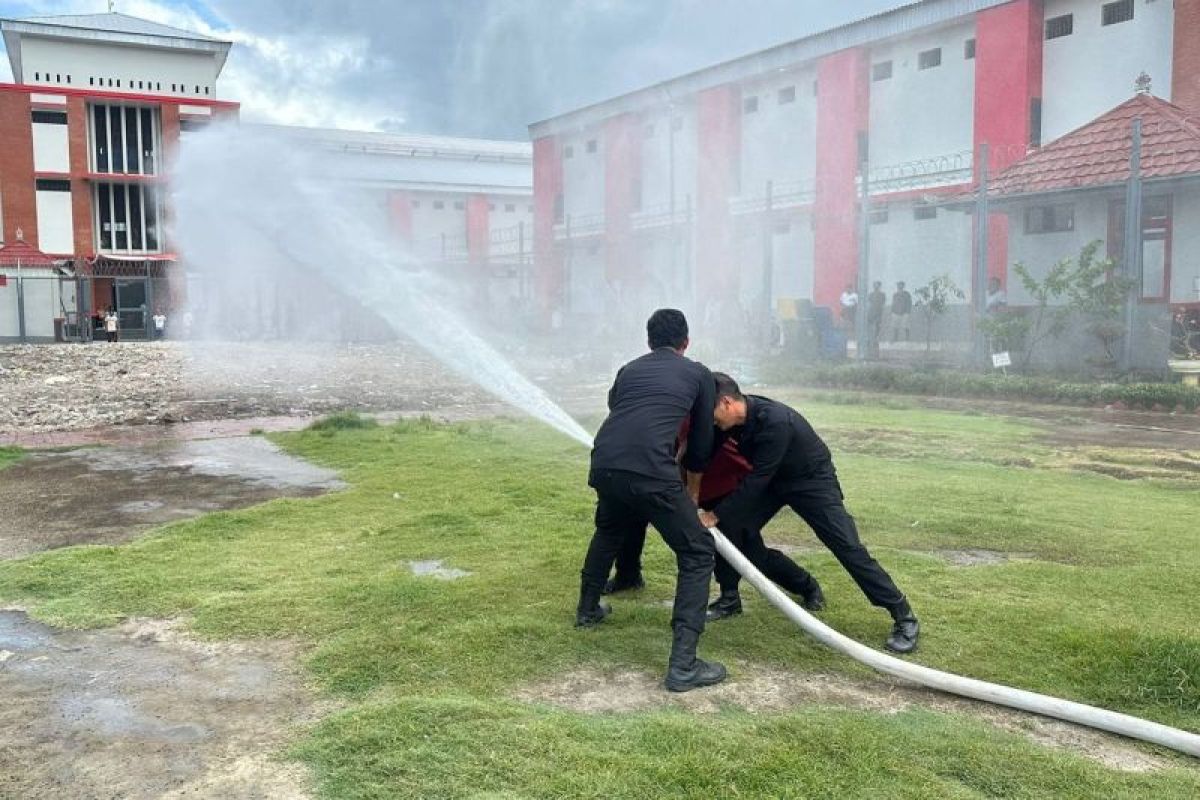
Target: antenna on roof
[
  {"x": 1142, "y": 84},
  {"x": 111, "y": 3}
]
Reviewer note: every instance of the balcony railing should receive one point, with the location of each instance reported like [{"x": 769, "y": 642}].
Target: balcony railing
[
  {"x": 784, "y": 194},
  {"x": 951, "y": 169}
]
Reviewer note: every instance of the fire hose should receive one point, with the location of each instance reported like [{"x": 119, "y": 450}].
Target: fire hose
[{"x": 1078, "y": 713}]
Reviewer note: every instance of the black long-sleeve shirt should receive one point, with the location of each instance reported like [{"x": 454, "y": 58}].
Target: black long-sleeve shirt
[
  {"x": 783, "y": 451},
  {"x": 646, "y": 405}
]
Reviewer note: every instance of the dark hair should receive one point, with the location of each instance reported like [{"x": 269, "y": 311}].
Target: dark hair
[
  {"x": 667, "y": 327},
  {"x": 727, "y": 387}
]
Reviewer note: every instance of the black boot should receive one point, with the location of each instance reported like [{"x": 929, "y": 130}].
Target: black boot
[
  {"x": 621, "y": 583},
  {"x": 727, "y": 605},
  {"x": 686, "y": 672},
  {"x": 905, "y": 629},
  {"x": 591, "y": 612},
  {"x": 813, "y": 599}
]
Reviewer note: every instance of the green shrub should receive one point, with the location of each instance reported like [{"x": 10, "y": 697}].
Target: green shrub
[
  {"x": 879, "y": 378},
  {"x": 343, "y": 421}
]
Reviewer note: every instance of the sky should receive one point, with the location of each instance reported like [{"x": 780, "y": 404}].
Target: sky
[{"x": 483, "y": 68}]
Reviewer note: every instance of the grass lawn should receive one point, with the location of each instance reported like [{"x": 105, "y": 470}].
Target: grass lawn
[
  {"x": 9, "y": 456},
  {"x": 1101, "y": 608}
]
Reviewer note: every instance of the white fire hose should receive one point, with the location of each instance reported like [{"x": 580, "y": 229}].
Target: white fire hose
[{"x": 1078, "y": 713}]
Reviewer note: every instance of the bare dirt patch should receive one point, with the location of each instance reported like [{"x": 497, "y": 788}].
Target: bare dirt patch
[
  {"x": 764, "y": 690},
  {"x": 974, "y": 557},
  {"x": 143, "y": 711},
  {"x": 110, "y": 495}
]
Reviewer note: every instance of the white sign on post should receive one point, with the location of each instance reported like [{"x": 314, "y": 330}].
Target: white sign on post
[{"x": 1001, "y": 360}]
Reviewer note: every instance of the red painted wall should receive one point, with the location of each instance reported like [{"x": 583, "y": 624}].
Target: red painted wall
[
  {"x": 719, "y": 132},
  {"x": 1185, "y": 59},
  {"x": 81, "y": 190},
  {"x": 400, "y": 215},
  {"x": 843, "y": 103},
  {"x": 547, "y": 185},
  {"x": 16, "y": 167},
  {"x": 477, "y": 228},
  {"x": 1008, "y": 78},
  {"x": 622, "y": 170}
]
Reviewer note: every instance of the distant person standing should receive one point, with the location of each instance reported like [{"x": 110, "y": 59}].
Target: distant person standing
[
  {"x": 876, "y": 303},
  {"x": 901, "y": 313},
  {"x": 160, "y": 324},
  {"x": 112, "y": 325},
  {"x": 996, "y": 298},
  {"x": 849, "y": 306},
  {"x": 188, "y": 319}
]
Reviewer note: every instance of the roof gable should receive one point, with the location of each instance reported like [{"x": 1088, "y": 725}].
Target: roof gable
[
  {"x": 1097, "y": 154},
  {"x": 117, "y": 22},
  {"x": 23, "y": 253}
]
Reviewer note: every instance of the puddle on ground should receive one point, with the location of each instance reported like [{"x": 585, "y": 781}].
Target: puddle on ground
[
  {"x": 435, "y": 569},
  {"x": 142, "y": 711},
  {"x": 107, "y": 495},
  {"x": 761, "y": 689}
]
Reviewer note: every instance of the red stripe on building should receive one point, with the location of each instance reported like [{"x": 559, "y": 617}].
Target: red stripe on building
[
  {"x": 1185, "y": 59},
  {"x": 400, "y": 215},
  {"x": 477, "y": 228},
  {"x": 622, "y": 172},
  {"x": 16, "y": 168},
  {"x": 1008, "y": 83},
  {"x": 97, "y": 94},
  {"x": 547, "y": 197},
  {"x": 843, "y": 103},
  {"x": 719, "y": 143}
]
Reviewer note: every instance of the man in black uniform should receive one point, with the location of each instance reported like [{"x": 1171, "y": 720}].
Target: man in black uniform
[
  {"x": 637, "y": 482},
  {"x": 793, "y": 467}
]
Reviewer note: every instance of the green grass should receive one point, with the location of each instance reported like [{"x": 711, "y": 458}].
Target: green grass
[
  {"x": 10, "y": 456},
  {"x": 1103, "y": 611}
]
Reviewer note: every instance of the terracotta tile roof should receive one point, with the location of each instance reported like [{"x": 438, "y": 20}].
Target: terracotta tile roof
[
  {"x": 25, "y": 253},
  {"x": 1097, "y": 154}
]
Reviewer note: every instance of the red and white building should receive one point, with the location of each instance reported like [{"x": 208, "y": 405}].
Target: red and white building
[
  {"x": 742, "y": 181},
  {"x": 87, "y": 130}
]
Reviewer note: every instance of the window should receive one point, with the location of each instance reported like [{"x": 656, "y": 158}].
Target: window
[
  {"x": 1035, "y": 121},
  {"x": 157, "y": 86},
  {"x": 172, "y": 87},
  {"x": 591, "y": 145},
  {"x": 929, "y": 59},
  {"x": 1058, "y": 27},
  {"x": 50, "y": 117},
  {"x": 491, "y": 206},
  {"x": 1120, "y": 11},
  {"x": 568, "y": 152},
  {"x": 924, "y": 212},
  {"x": 458, "y": 205},
  {"x": 787, "y": 95},
  {"x": 127, "y": 217},
  {"x": 881, "y": 71},
  {"x": 438, "y": 205},
  {"x": 969, "y": 49},
  {"x": 416, "y": 203},
  {"x": 560, "y": 209},
  {"x": 37, "y": 76},
  {"x": 68, "y": 80},
  {"x": 750, "y": 105},
  {"x": 816, "y": 86},
  {"x": 1049, "y": 219},
  {"x": 648, "y": 132},
  {"x": 878, "y": 216},
  {"x": 91, "y": 81},
  {"x": 509, "y": 208},
  {"x": 1156, "y": 243},
  {"x": 124, "y": 139},
  {"x": 48, "y": 185}
]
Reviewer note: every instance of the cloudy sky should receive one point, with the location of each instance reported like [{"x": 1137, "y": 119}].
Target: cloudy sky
[{"x": 463, "y": 67}]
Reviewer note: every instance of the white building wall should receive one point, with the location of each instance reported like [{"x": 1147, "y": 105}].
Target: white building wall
[
  {"x": 430, "y": 223},
  {"x": 917, "y": 250},
  {"x": 1185, "y": 247},
  {"x": 923, "y": 113},
  {"x": 54, "y": 221},
  {"x": 583, "y": 175},
  {"x": 669, "y": 158},
  {"x": 1094, "y": 69},
  {"x": 50, "y": 148},
  {"x": 1039, "y": 251},
  {"x": 587, "y": 290},
  {"x": 74, "y": 64},
  {"x": 507, "y": 212},
  {"x": 779, "y": 140}
]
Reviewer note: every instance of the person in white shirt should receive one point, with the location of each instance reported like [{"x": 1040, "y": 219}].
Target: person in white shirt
[
  {"x": 849, "y": 305},
  {"x": 112, "y": 325},
  {"x": 160, "y": 324}
]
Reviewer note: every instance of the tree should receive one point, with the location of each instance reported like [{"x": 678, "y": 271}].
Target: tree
[{"x": 932, "y": 299}]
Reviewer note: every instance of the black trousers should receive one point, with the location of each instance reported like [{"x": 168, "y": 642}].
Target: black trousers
[
  {"x": 626, "y": 503},
  {"x": 820, "y": 504},
  {"x": 746, "y": 538}
]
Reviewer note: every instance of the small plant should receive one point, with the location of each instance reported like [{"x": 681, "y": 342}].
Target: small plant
[
  {"x": 343, "y": 421},
  {"x": 932, "y": 301}
]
